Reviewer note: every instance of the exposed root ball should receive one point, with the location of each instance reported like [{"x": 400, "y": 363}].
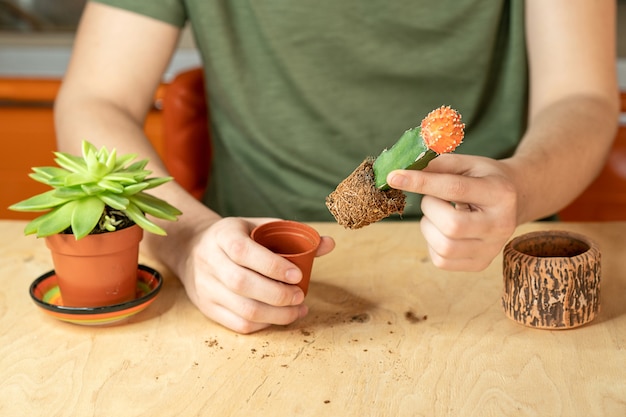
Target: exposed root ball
[{"x": 356, "y": 202}]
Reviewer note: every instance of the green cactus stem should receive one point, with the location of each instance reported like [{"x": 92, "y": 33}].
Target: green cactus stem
[
  {"x": 441, "y": 131},
  {"x": 409, "y": 152}
]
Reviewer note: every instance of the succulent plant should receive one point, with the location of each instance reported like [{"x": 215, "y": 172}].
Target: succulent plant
[
  {"x": 95, "y": 193},
  {"x": 441, "y": 131}
]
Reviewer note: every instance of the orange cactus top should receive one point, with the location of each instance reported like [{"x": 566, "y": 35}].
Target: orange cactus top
[{"x": 442, "y": 130}]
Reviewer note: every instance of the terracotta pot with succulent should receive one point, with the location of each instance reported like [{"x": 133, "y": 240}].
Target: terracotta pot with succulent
[{"x": 95, "y": 218}]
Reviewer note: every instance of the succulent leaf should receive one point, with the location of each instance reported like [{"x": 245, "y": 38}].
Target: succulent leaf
[
  {"x": 56, "y": 221},
  {"x": 134, "y": 188},
  {"x": 92, "y": 189},
  {"x": 39, "y": 202},
  {"x": 139, "y": 217},
  {"x": 49, "y": 173},
  {"x": 155, "y": 182},
  {"x": 93, "y": 164},
  {"x": 71, "y": 163},
  {"x": 122, "y": 160},
  {"x": 85, "y": 216},
  {"x": 76, "y": 179},
  {"x": 111, "y": 160},
  {"x": 115, "y": 201},
  {"x": 87, "y": 147},
  {"x": 155, "y": 207},
  {"x": 33, "y": 225},
  {"x": 122, "y": 177},
  {"x": 111, "y": 186},
  {"x": 70, "y": 193}
]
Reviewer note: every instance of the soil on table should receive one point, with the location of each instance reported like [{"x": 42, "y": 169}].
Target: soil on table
[{"x": 356, "y": 202}]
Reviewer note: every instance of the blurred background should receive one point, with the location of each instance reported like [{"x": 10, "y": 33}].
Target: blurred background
[
  {"x": 36, "y": 38},
  {"x": 40, "y": 15}
]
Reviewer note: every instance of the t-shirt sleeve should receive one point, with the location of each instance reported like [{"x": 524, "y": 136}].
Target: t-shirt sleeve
[{"x": 168, "y": 11}]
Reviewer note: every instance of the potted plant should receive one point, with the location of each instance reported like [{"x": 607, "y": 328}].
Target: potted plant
[{"x": 95, "y": 218}]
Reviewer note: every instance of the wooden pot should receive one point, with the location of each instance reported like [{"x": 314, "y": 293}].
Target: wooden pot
[
  {"x": 551, "y": 279},
  {"x": 294, "y": 241},
  {"x": 97, "y": 270}
]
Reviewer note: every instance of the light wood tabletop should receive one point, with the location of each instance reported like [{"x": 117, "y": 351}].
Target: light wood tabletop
[{"x": 388, "y": 334}]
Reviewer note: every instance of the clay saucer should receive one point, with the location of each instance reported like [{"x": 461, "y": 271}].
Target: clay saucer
[{"x": 46, "y": 294}]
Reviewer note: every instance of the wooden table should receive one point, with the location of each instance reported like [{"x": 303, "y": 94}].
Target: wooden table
[{"x": 388, "y": 334}]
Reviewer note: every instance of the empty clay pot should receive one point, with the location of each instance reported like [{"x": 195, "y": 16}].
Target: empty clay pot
[
  {"x": 294, "y": 241},
  {"x": 551, "y": 279}
]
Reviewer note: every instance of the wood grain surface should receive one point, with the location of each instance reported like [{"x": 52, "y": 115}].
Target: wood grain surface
[{"x": 388, "y": 334}]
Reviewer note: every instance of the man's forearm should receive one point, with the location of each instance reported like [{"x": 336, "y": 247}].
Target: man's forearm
[{"x": 563, "y": 150}]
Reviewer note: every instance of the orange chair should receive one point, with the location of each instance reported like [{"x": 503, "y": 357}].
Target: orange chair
[{"x": 186, "y": 147}]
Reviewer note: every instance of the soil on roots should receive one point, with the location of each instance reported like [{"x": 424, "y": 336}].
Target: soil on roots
[{"x": 356, "y": 202}]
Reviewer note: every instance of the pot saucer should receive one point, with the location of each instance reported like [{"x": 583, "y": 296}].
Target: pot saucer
[{"x": 46, "y": 294}]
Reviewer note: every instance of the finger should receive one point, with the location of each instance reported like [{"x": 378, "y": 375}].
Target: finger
[
  {"x": 239, "y": 312},
  {"x": 327, "y": 244},
  {"x": 449, "y": 187},
  {"x": 449, "y": 177},
  {"x": 454, "y": 220},
  {"x": 458, "y": 264},
  {"x": 446, "y": 247},
  {"x": 237, "y": 323},
  {"x": 468, "y": 254},
  {"x": 250, "y": 284},
  {"x": 242, "y": 250}
]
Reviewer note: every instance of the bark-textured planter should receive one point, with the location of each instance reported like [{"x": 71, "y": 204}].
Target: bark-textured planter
[
  {"x": 551, "y": 279},
  {"x": 97, "y": 270},
  {"x": 294, "y": 241}
]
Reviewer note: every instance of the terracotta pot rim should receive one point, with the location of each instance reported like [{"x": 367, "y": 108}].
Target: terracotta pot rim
[
  {"x": 514, "y": 244},
  {"x": 285, "y": 232},
  {"x": 289, "y": 227},
  {"x": 67, "y": 244}
]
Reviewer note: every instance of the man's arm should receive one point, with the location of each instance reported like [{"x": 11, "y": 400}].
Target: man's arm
[
  {"x": 572, "y": 120},
  {"x": 118, "y": 61},
  {"x": 573, "y": 102}
]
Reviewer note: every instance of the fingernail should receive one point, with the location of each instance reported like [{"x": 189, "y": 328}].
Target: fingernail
[
  {"x": 304, "y": 310},
  {"x": 298, "y": 298},
  {"x": 397, "y": 180},
  {"x": 293, "y": 276}
]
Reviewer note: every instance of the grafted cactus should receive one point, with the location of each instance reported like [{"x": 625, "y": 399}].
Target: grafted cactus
[
  {"x": 441, "y": 131},
  {"x": 364, "y": 197}
]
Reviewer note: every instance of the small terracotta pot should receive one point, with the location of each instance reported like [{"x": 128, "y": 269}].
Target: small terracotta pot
[
  {"x": 551, "y": 279},
  {"x": 294, "y": 241},
  {"x": 97, "y": 270}
]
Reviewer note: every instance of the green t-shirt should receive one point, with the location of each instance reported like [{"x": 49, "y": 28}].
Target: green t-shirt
[{"x": 300, "y": 92}]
